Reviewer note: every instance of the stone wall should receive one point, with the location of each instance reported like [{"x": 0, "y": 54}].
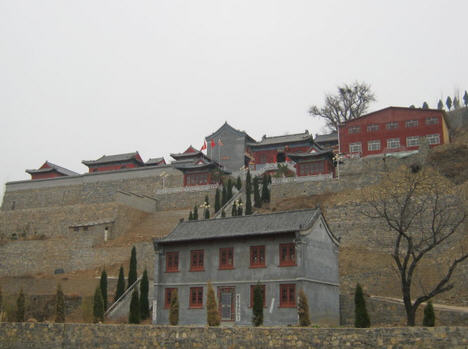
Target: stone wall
[{"x": 54, "y": 336}]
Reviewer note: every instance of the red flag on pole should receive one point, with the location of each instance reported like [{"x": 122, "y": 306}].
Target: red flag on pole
[
  {"x": 204, "y": 146},
  {"x": 213, "y": 144}
]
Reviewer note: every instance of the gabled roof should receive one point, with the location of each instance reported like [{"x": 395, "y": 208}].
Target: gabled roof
[
  {"x": 114, "y": 158},
  {"x": 227, "y": 127},
  {"x": 155, "y": 161},
  {"x": 190, "y": 152},
  {"x": 309, "y": 155},
  {"x": 298, "y": 137},
  {"x": 274, "y": 223},
  {"x": 326, "y": 138},
  {"x": 50, "y": 167}
]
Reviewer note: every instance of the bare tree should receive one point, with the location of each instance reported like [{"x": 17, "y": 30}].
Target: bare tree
[
  {"x": 351, "y": 102},
  {"x": 424, "y": 214}
]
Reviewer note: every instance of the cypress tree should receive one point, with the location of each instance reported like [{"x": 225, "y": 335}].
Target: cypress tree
[
  {"x": 217, "y": 201},
  {"x": 174, "y": 310},
  {"x": 465, "y": 99},
  {"x": 134, "y": 315},
  {"x": 212, "y": 314},
  {"x": 239, "y": 183},
  {"x": 229, "y": 189},
  {"x": 412, "y": 106},
  {"x": 223, "y": 213},
  {"x": 223, "y": 196},
  {"x": 132, "y": 273},
  {"x": 98, "y": 306},
  {"x": 195, "y": 213},
  {"x": 144, "y": 302},
  {"x": 265, "y": 189},
  {"x": 239, "y": 208},
  {"x": 303, "y": 309},
  {"x": 207, "y": 213},
  {"x": 248, "y": 194},
  {"x": 120, "y": 285},
  {"x": 456, "y": 103},
  {"x": 361, "y": 318},
  {"x": 257, "y": 199},
  {"x": 234, "y": 209},
  {"x": 269, "y": 179},
  {"x": 103, "y": 285},
  {"x": 429, "y": 316},
  {"x": 190, "y": 216},
  {"x": 248, "y": 183},
  {"x": 425, "y": 105},
  {"x": 448, "y": 103},
  {"x": 207, "y": 201},
  {"x": 440, "y": 105},
  {"x": 257, "y": 308},
  {"x": 59, "y": 305},
  {"x": 20, "y": 307}
]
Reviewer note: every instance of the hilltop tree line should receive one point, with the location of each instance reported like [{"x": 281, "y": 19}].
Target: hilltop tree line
[{"x": 451, "y": 103}]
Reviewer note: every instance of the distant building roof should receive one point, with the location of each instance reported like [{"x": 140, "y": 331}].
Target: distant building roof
[
  {"x": 310, "y": 155},
  {"x": 50, "y": 167},
  {"x": 155, "y": 161},
  {"x": 280, "y": 222},
  {"x": 226, "y": 126},
  {"x": 190, "y": 152},
  {"x": 298, "y": 137},
  {"x": 331, "y": 137},
  {"x": 114, "y": 158}
]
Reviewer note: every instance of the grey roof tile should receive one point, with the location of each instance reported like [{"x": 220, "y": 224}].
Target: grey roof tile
[
  {"x": 298, "y": 137},
  {"x": 52, "y": 167},
  {"x": 112, "y": 158},
  {"x": 327, "y": 137}
]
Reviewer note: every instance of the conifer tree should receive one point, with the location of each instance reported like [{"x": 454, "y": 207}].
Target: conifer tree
[
  {"x": 98, "y": 306},
  {"x": 207, "y": 212},
  {"x": 248, "y": 206},
  {"x": 257, "y": 307},
  {"x": 120, "y": 285},
  {"x": 174, "y": 309},
  {"x": 429, "y": 316},
  {"x": 248, "y": 183},
  {"x": 234, "y": 209},
  {"x": 456, "y": 103},
  {"x": 144, "y": 301},
  {"x": 195, "y": 213},
  {"x": 303, "y": 309},
  {"x": 239, "y": 208},
  {"x": 248, "y": 194},
  {"x": 265, "y": 189},
  {"x": 223, "y": 196},
  {"x": 223, "y": 213},
  {"x": 239, "y": 183},
  {"x": 412, "y": 106},
  {"x": 269, "y": 179},
  {"x": 448, "y": 103},
  {"x": 217, "y": 201},
  {"x": 134, "y": 315},
  {"x": 20, "y": 307},
  {"x": 465, "y": 99},
  {"x": 425, "y": 105},
  {"x": 361, "y": 318},
  {"x": 257, "y": 199},
  {"x": 132, "y": 273},
  {"x": 190, "y": 216},
  {"x": 103, "y": 285},
  {"x": 440, "y": 105},
  {"x": 229, "y": 189},
  {"x": 59, "y": 305},
  {"x": 212, "y": 313},
  {"x": 207, "y": 201}
]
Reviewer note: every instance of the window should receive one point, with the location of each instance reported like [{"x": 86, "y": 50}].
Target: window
[
  {"x": 311, "y": 168},
  {"x": 393, "y": 143},
  {"x": 432, "y": 120},
  {"x": 257, "y": 256},
  {"x": 411, "y": 123},
  {"x": 196, "y": 260},
  {"x": 355, "y": 147},
  {"x": 197, "y": 179},
  {"x": 170, "y": 292},
  {"x": 196, "y": 297},
  {"x": 252, "y": 292},
  {"x": 433, "y": 139},
  {"x": 412, "y": 141},
  {"x": 172, "y": 261},
  {"x": 372, "y": 128},
  {"x": 373, "y": 145},
  {"x": 226, "y": 258},
  {"x": 391, "y": 125},
  {"x": 287, "y": 254},
  {"x": 288, "y": 296},
  {"x": 354, "y": 129}
]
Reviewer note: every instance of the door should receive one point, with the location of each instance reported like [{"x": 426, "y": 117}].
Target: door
[{"x": 226, "y": 303}]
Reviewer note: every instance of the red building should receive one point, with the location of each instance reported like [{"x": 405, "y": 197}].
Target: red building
[
  {"x": 114, "y": 162},
  {"x": 314, "y": 162},
  {"x": 393, "y": 129},
  {"x": 198, "y": 169},
  {"x": 50, "y": 170},
  {"x": 155, "y": 162}
]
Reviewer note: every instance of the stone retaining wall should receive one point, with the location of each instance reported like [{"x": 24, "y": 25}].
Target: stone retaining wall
[{"x": 55, "y": 336}]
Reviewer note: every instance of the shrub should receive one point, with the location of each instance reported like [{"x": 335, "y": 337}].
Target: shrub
[
  {"x": 429, "y": 316},
  {"x": 212, "y": 314},
  {"x": 303, "y": 309},
  {"x": 59, "y": 305},
  {"x": 257, "y": 308},
  {"x": 174, "y": 310},
  {"x": 134, "y": 315},
  {"x": 361, "y": 318},
  {"x": 98, "y": 306}
]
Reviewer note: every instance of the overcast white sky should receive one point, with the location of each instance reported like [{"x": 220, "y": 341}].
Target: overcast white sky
[{"x": 79, "y": 79}]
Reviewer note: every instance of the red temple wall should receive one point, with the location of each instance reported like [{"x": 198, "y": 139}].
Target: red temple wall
[
  {"x": 45, "y": 175},
  {"x": 269, "y": 156},
  {"x": 113, "y": 167}
]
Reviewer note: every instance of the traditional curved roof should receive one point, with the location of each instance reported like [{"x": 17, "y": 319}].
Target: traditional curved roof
[
  {"x": 310, "y": 155},
  {"x": 228, "y": 127},
  {"x": 105, "y": 159},
  {"x": 330, "y": 137},
  {"x": 50, "y": 167},
  {"x": 155, "y": 161},
  {"x": 294, "y": 138}
]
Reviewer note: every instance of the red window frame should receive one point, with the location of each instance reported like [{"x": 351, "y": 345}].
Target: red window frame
[
  {"x": 226, "y": 258},
  {"x": 196, "y": 297},
  {"x": 257, "y": 256},
  {"x": 197, "y": 260},
  {"x": 287, "y": 253},
  {"x": 287, "y": 296},
  {"x": 168, "y": 297},
  {"x": 252, "y": 288},
  {"x": 172, "y": 262}
]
